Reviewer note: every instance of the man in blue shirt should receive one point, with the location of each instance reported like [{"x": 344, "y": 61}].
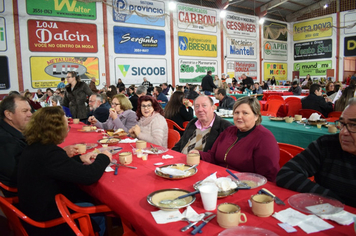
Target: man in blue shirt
[
  {"x": 160, "y": 96},
  {"x": 61, "y": 84}
]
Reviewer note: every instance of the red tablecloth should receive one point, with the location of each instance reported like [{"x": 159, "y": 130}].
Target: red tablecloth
[{"x": 126, "y": 194}]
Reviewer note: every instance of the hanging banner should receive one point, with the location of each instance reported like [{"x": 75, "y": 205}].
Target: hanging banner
[
  {"x": 241, "y": 48},
  {"x": 313, "y": 68},
  {"x": 139, "y": 12},
  {"x": 4, "y": 76},
  {"x": 278, "y": 70},
  {"x": 350, "y": 46},
  {"x": 275, "y": 30},
  {"x": 275, "y": 51},
  {"x": 241, "y": 25},
  {"x": 349, "y": 20},
  {"x": 132, "y": 70},
  {"x": 199, "y": 45},
  {"x": 193, "y": 71},
  {"x": 313, "y": 29},
  {"x": 139, "y": 41},
  {"x": 62, "y": 8},
  {"x": 56, "y": 36},
  {"x": 47, "y": 71},
  {"x": 313, "y": 50},
  {"x": 196, "y": 18},
  {"x": 3, "y": 39}
]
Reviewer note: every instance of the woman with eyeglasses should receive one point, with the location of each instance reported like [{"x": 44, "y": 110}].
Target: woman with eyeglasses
[
  {"x": 120, "y": 115},
  {"x": 152, "y": 126},
  {"x": 247, "y": 146},
  {"x": 45, "y": 170},
  {"x": 75, "y": 96}
]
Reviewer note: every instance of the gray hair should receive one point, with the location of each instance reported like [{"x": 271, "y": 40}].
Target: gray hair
[
  {"x": 352, "y": 102},
  {"x": 98, "y": 97},
  {"x": 57, "y": 99},
  {"x": 141, "y": 90}
]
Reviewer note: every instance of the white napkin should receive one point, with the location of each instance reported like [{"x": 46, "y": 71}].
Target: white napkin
[
  {"x": 314, "y": 116},
  {"x": 342, "y": 217},
  {"x": 128, "y": 140},
  {"x": 167, "y": 157},
  {"x": 172, "y": 171},
  {"x": 109, "y": 169},
  {"x": 163, "y": 217},
  {"x": 192, "y": 215},
  {"x": 308, "y": 224},
  {"x": 223, "y": 183}
]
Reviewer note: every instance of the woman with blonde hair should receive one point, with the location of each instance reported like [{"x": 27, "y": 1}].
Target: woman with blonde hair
[
  {"x": 121, "y": 115},
  {"x": 46, "y": 170}
]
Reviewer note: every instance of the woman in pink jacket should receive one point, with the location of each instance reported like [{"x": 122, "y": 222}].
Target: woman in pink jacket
[{"x": 247, "y": 146}]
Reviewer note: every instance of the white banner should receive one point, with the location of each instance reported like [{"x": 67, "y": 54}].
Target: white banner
[
  {"x": 196, "y": 18},
  {"x": 132, "y": 70},
  {"x": 3, "y": 46},
  {"x": 241, "y": 25},
  {"x": 241, "y": 48},
  {"x": 275, "y": 51},
  {"x": 192, "y": 71}
]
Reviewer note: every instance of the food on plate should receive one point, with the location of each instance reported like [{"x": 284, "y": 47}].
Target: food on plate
[
  {"x": 112, "y": 140},
  {"x": 93, "y": 127},
  {"x": 250, "y": 183},
  {"x": 86, "y": 128},
  {"x": 173, "y": 204},
  {"x": 154, "y": 149}
]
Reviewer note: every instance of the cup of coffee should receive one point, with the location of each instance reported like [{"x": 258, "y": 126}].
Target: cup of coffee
[
  {"x": 193, "y": 159},
  {"x": 318, "y": 125},
  {"x": 125, "y": 158},
  {"x": 76, "y": 121},
  {"x": 289, "y": 119},
  {"x": 262, "y": 205},
  {"x": 298, "y": 117},
  {"x": 332, "y": 129},
  {"x": 82, "y": 148},
  {"x": 229, "y": 215},
  {"x": 140, "y": 144}
]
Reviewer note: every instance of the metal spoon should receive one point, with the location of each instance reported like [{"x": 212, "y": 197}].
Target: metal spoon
[
  {"x": 167, "y": 201},
  {"x": 243, "y": 184},
  {"x": 192, "y": 167}
]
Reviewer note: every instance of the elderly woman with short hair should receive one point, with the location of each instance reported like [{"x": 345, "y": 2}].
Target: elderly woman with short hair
[
  {"x": 120, "y": 115},
  {"x": 247, "y": 146}
]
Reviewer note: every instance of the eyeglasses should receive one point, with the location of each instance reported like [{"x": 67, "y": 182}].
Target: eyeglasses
[
  {"x": 146, "y": 106},
  {"x": 91, "y": 101},
  {"x": 115, "y": 104},
  {"x": 351, "y": 127},
  {"x": 69, "y": 77}
]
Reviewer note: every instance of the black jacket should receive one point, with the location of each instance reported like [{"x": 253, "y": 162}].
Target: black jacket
[
  {"x": 226, "y": 103},
  {"x": 133, "y": 99},
  {"x": 219, "y": 126},
  {"x": 207, "y": 83},
  {"x": 318, "y": 103}
]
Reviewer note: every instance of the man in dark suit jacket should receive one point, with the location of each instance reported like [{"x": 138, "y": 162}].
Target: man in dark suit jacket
[
  {"x": 140, "y": 91},
  {"x": 97, "y": 108},
  {"x": 207, "y": 83},
  {"x": 316, "y": 101}
]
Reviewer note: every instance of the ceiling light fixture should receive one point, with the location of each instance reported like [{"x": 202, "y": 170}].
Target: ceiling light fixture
[
  {"x": 222, "y": 14},
  {"x": 325, "y": 6},
  {"x": 262, "y": 20},
  {"x": 172, "y": 5}
]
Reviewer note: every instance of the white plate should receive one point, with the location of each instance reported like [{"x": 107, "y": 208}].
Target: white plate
[
  {"x": 252, "y": 179},
  {"x": 312, "y": 203}
]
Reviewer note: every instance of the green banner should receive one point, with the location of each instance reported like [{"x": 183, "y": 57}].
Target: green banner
[
  {"x": 313, "y": 68},
  {"x": 62, "y": 8}
]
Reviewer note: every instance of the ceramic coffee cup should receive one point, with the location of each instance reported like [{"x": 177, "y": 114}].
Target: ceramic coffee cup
[
  {"x": 82, "y": 148},
  {"x": 229, "y": 215},
  {"x": 289, "y": 119},
  {"x": 140, "y": 144},
  {"x": 332, "y": 129},
  {"x": 262, "y": 205},
  {"x": 298, "y": 117},
  {"x": 125, "y": 158},
  {"x": 76, "y": 121},
  {"x": 193, "y": 159}
]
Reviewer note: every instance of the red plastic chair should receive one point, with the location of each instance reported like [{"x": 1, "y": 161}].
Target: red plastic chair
[
  {"x": 7, "y": 188},
  {"x": 171, "y": 125},
  {"x": 14, "y": 217},
  {"x": 272, "y": 107},
  {"x": 275, "y": 97},
  {"x": 292, "y": 149},
  {"x": 173, "y": 138},
  {"x": 292, "y": 107},
  {"x": 233, "y": 97},
  {"x": 334, "y": 116},
  {"x": 306, "y": 113},
  {"x": 284, "y": 157},
  {"x": 86, "y": 227},
  {"x": 185, "y": 123},
  {"x": 292, "y": 98}
]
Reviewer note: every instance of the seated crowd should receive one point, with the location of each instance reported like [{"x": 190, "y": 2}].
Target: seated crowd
[{"x": 35, "y": 164}]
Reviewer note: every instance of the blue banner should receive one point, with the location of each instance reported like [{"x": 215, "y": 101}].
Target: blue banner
[{"x": 139, "y": 41}]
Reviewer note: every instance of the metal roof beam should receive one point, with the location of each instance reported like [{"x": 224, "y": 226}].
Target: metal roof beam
[{"x": 315, "y": 6}]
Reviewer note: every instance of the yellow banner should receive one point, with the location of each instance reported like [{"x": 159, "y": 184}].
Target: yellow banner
[
  {"x": 198, "y": 45},
  {"x": 313, "y": 29},
  {"x": 46, "y": 72},
  {"x": 278, "y": 70}
]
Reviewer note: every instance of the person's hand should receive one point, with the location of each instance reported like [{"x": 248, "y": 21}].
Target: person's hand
[
  {"x": 132, "y": 133},
  {"x": 92, "y": 120},
  {"x": 194, "y": 151},
  {"x": 112, "y": 114},
  {"x": 88, "y": 158},
  {"x": 106, "y": 152},
  {"x": 135, "y": 131},
  {"x": 327, "y": 99},
  {"x": 71, "y": 150},
  {"x": 189, "y": 104}
]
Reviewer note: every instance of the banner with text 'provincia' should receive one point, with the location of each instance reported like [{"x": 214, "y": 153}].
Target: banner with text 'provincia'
[
  {"x": 193, "y": 71},
  {"x": 46, "y": 72}
]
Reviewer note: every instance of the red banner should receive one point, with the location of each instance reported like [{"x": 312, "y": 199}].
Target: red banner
[{"x": 56, "y": 36}]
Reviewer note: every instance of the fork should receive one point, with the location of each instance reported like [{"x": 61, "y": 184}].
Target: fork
[{"x": 194, "y": 223}]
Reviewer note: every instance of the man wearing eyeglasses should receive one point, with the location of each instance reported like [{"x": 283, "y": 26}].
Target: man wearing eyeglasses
[
  {"x": 331, "y": 159},
  {"x": 97, "y": 108}
]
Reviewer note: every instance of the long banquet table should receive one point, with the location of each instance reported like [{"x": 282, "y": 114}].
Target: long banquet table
[
  {"x": 292, "y": 133},
  {"x": 126, "y": 194}
]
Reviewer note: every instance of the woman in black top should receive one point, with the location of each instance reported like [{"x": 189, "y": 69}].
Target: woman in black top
[{"x": 178, "y": 111}]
